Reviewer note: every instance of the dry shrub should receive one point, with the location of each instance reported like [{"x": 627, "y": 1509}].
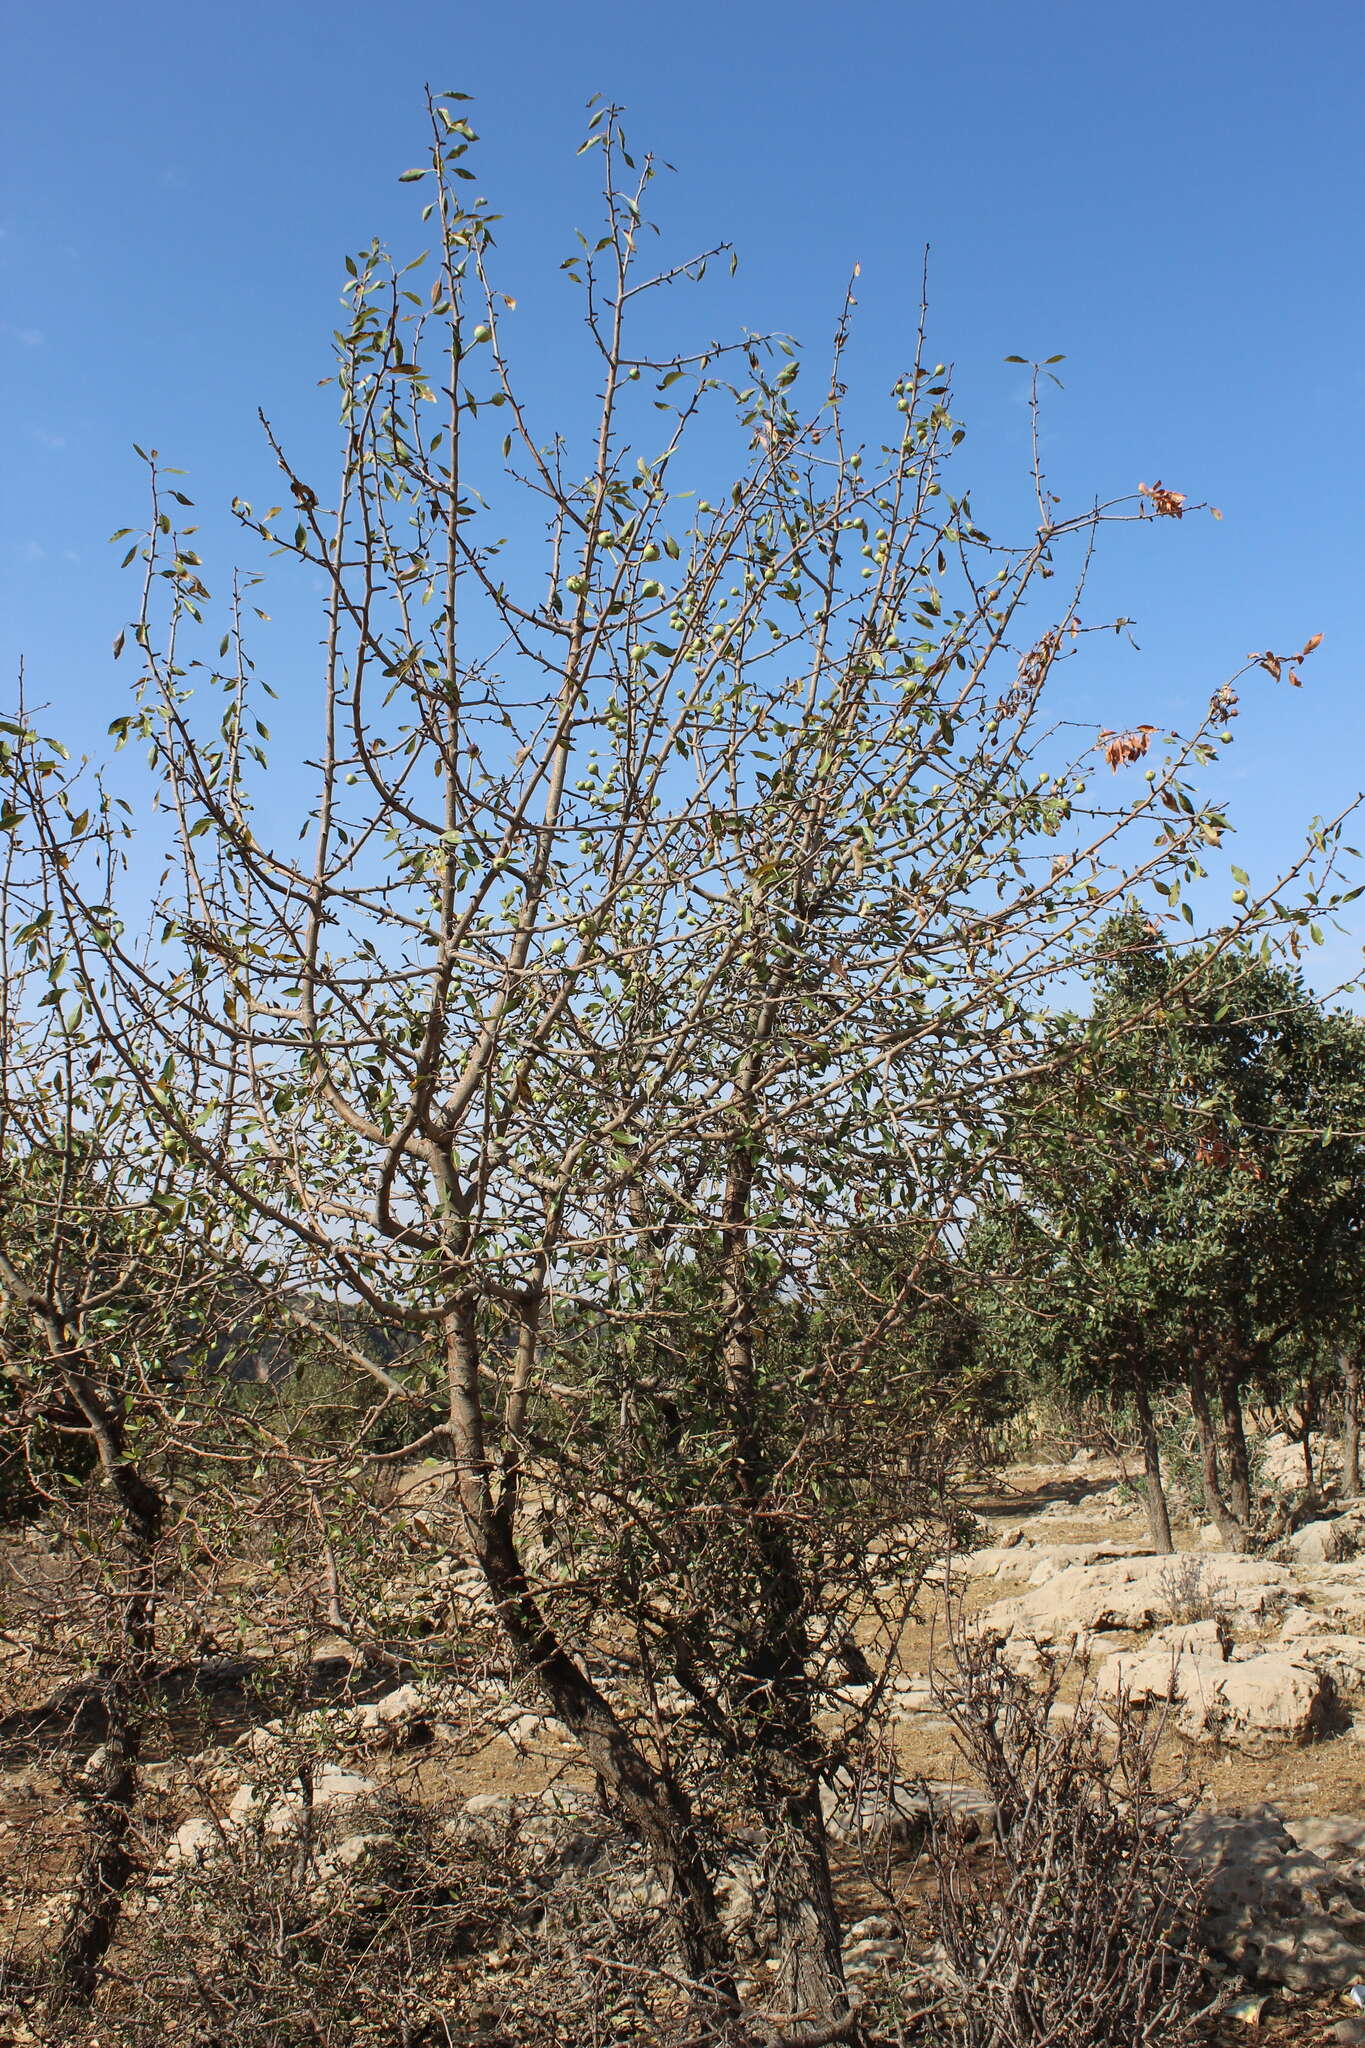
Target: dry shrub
[
  {"x": 1078, "y": 1927},
  {"x": 397, "y": 1925},
  {"x": 1193, "y": 1593}
]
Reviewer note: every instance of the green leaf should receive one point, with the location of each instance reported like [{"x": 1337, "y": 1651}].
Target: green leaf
[{"x": 411, "y": 177}]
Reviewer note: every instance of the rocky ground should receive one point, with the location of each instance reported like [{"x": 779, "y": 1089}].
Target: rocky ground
[{"x": 1257, "y": 1666}]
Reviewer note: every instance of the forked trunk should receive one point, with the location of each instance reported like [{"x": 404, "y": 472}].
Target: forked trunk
[
  {"x": 645, "y": 1797},
  {"x": 1229, "y": 1529}
]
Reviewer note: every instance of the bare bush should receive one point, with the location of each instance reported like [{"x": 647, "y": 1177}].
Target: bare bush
[
  {"x": 1080, "y": 1928},
  {"x": 1193, "y": 1593},
  {"x": 383, "y": 1931}
]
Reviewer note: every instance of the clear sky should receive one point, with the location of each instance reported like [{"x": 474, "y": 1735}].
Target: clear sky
[{"x": 1172, "y": 195}]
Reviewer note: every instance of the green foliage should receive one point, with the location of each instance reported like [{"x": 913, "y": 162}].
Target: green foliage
[{"x": 1199, "y": 1180}]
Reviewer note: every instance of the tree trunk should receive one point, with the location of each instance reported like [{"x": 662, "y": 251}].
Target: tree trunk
[
  {"x": 809, "y": 1988},
  {"x": 1154, "y": 1489},
  {"x": 111, "y": 1797},
  {"x": 107, "y": 1862},
  {"x": 1350, "y": 1425},
  {"x": 1235, "y": 1442},
  {"x": 644, "y": 1796},
  {"x": 1229, "y": 1529},
  {"x": 108, "y": 1798}
]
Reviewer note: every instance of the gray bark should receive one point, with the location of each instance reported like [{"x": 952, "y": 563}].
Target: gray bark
[
  {"x": 1154, "y": 1489},
  {"x": 1350, "y": 1430},
  {"x": 1229, "y": 1528}
]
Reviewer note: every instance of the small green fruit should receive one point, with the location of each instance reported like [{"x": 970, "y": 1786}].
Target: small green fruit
[
  {"x": 650, "y": 551},
  {"x": 483, "y": 332}
]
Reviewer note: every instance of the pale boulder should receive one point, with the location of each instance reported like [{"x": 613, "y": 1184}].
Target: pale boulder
[
  {"x": 1323, "y": 1542},
  {"x": 1336, "y": 1593},
  {"x": 1259, "y": 1703},
  {"x": 1341, "y": 1657},
  {"x": 1140, "y": 1593},
  {"x": 281, "y": 1812},
  {"x": 1266, "y": 1702},
  {"x": 193, "y": 1844},
  {"x": 1335, "y": 1838}
]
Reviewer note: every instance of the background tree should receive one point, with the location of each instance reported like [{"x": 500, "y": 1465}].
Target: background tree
[{"x": 1194, "y": 1196}]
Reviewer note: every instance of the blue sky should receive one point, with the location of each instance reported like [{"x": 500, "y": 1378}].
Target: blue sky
[{"x": 1172, "y": 196}]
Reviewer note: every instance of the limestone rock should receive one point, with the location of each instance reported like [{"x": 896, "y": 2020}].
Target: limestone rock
[
  {"x": 1336, "y": 1591},
  {"x": 1323, "y": 1542},
  {"x": 1265, "y": 1702},
  {"x": 498, "y": 1807},
  {"x": 1335, "y": 1838},
  {"x": 400, "y": 1704},
  {"x": 1341, "y": 1657},
  {"x": 352, "y": 1852},
  {"x": 867, "y": 1958},
  {"x": 1208, "y": 1638},
  {"x": 1279, "y": 1460},
  {"x": 1143, "y": 1593},
  {"x": 1258, "y": 1703},
  {"x": 1273, "y": 1909},
  {"x": 194, "y": 1843},
  {"x": 1298, "y": 1622},
  {"x": 280, "y": 1811},
  {"x": 898, "y": 1812}
]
